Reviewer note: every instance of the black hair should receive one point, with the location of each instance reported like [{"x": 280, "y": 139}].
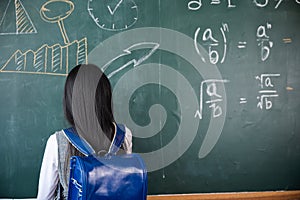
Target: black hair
[
  {"x": 103, "y": 101},
  {"x": 103, "y": 107},
  {"x": 68, "y": 91}
]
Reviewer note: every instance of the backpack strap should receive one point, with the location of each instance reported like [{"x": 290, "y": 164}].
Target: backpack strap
[
  {"x": 78, "y": 142},
  {"x": 85, "y": 148},
  {"x": 117, "y": 140}
]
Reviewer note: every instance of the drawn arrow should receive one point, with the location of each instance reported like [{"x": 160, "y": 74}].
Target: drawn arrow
[{"x": 142, "y": 45}]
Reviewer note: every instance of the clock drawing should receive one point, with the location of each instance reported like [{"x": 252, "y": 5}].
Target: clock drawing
[{"x": 113, "y": 15}]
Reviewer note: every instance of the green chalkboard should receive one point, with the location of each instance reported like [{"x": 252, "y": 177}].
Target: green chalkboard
[{"x": 210, "y": 89}]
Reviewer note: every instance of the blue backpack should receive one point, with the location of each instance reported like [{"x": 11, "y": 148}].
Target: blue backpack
[{"x": 110, "y": 177}]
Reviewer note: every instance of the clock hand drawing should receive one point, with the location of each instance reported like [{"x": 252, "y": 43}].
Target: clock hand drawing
[
  {"x": 114, "y": 10},
  {"x": 119, "y": 16}
]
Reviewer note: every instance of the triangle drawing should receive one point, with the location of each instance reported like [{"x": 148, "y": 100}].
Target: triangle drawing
[{"x": 15, "y": 20}]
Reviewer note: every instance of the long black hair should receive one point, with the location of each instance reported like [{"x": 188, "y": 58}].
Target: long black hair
[
  {"x": 68, "y": 91},
  {"x": 103, "y": 101}
]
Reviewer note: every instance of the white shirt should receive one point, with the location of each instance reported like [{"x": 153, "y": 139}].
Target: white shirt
[{"x": 49, "y": 170}]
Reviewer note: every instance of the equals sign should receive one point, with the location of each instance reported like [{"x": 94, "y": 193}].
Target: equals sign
[
  {"x": 242, "y": 45},
  {"x": 287, "y": 40},
  {"x": 243, "y": 100},
  {"x": 215, "y": 2}
]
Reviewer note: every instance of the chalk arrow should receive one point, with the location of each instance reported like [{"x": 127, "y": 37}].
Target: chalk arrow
[{"x": 135, "y": 61}]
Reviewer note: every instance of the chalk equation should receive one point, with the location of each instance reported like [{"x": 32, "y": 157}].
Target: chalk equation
[
  {"x": 217, "y": 45},
  {"x": 265, "y": 3},
  {"x": 197, "y": 4},
  {"x": 264, "y": 41},
  {"x": 215, "y": 97},
  {"x": 266, "y": 93},
  {"x": 209, "y": 89},
  {"x": 210, "y": 40}
]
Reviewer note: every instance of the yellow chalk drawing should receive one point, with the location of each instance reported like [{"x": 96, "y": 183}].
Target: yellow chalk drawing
[
  {"x": 37, "y": 62},
  {"x": 23, "y": 22},
  {"x": 51, "y": 60},
  {"x": 46, "y": 14}
]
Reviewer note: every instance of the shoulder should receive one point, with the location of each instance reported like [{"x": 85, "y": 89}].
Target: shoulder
[
  {"x": 124, "y": 129},
  {"x": 59, "y": 135},
  {"x": 128, "y": 140},
  {"x": 53, "y": 139},
  {"x": 127, "y": 132}
]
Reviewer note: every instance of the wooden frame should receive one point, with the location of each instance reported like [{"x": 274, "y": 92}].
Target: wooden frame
[{"x": 276, "y": 195}]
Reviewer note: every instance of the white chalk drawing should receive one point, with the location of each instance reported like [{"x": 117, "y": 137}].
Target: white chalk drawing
[
  {"x": 267, "y": 90},
  {"x": 223, "y": 29},
  {"x": 215, "y": 97},
  {"x": 208, "y": 37},
  {"x": 197, "y": 4},
  {"x": 114, "y": 15},
  {"x": 229, "y": 5},
  {"x": 243, "y": 100},
  {"x": 196, "y": 44},
  {"x": 265, "y": 80},
  {"x": 135, "y": 62},
  {"x": 54, "y": 59},
  {"x": 264, "y": 41},
  {"x": 278, "y": 3},
  {"x": 261, "y": 4},
  {"x": 216, "y": 2},
  {"x": 264, "y": 100},
  {"x": 23, "y": 24},
  {"x": 264, "y": 3},
  {"x": 242, "y": 44}
]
